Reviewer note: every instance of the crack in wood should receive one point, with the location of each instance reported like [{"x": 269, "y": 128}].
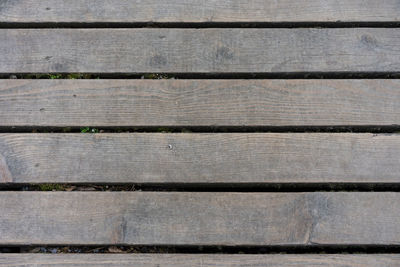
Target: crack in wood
[{"x": 5, "y": 174}]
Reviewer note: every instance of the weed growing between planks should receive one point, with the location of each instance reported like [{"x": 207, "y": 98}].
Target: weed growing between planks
[
  {"x": 51, "y": 187},
  {"x": 89, "y": 130}
]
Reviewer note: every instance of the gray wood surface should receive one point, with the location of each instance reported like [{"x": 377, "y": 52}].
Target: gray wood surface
[
  {"x": 200, "y": 158},
  {"x": 179, "y": 260},
  {"x": 199, "y": 102},
  {"x": 198, "y": 11},
  {"x": 199, "y": 50},
  {"x": 190, "y": 218}
]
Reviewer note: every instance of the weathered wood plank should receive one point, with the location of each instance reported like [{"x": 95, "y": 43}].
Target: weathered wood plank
[
  {"x": 199, "y": 50},
  {"x": 198, "y": 102},
  {"x": 200, "y": 158},
  {"x": 179, "y": 260},
  {"x": 199, "y": 11},
  {"x": 190, "y": 218}
]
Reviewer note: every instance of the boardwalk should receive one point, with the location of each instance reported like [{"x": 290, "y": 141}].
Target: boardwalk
[{"x": 228, "y": 133}]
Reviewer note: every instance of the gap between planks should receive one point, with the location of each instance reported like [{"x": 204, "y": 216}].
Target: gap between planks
[{"x": 207, "y": 187}]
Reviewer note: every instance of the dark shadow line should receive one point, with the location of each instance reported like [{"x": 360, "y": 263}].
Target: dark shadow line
[
  {"x": 198, "y": 25},
  {"x": 98, "y": 129},
  {"x": 294, "y": 187},
  {"x": 193, "y": 249},
  {"x": 208, "y": 75}
]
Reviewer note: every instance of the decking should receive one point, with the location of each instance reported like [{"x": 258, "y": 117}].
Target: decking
[{"x": 228, "y": 133}]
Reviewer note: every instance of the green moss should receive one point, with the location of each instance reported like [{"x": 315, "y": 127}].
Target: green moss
[
  {"x": 55, "y": 76},
  {"x": 36, "y": 76},
  {"x": 51, "y": 187}
]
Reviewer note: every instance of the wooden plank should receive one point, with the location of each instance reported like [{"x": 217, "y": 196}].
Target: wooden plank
[
  {"x": 200, "y": 158},
  {"x": 192, "y": 218},
  {"x": 104, "y": 103},
  {"x": 180, "y": 260},
  {"x": 199, "y": 50},
  {"x": 29, "y": 11}
]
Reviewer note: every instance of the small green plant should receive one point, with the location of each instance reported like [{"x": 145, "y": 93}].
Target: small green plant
[
  {"x": 51, "y": 187},
  {"x": 55, "y": 76},
  {"x": 89, "y": 130},
  {"x": 74, "y": 76}
]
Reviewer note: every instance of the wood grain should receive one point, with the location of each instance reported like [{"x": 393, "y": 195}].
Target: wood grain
[
  {"x": 29, "y": 11},
  {"x": 179, "y": 260},
  {"x": 201, "y": 158},
  {"x": 199, "y": 50},
  {"x": 190, "y": 218},
  {"x": 199, "y": 102}
]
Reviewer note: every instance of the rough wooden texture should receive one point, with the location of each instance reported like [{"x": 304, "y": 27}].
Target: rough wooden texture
[
  {"x": 198, "y": 11},
  {"x": 199, "y": 50},
  {"x": 179, "y": 260},
  {"x": 199, "y": 102},
  {"x": 200, "y": 158},
  {"x": 190, "y": 218}
]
